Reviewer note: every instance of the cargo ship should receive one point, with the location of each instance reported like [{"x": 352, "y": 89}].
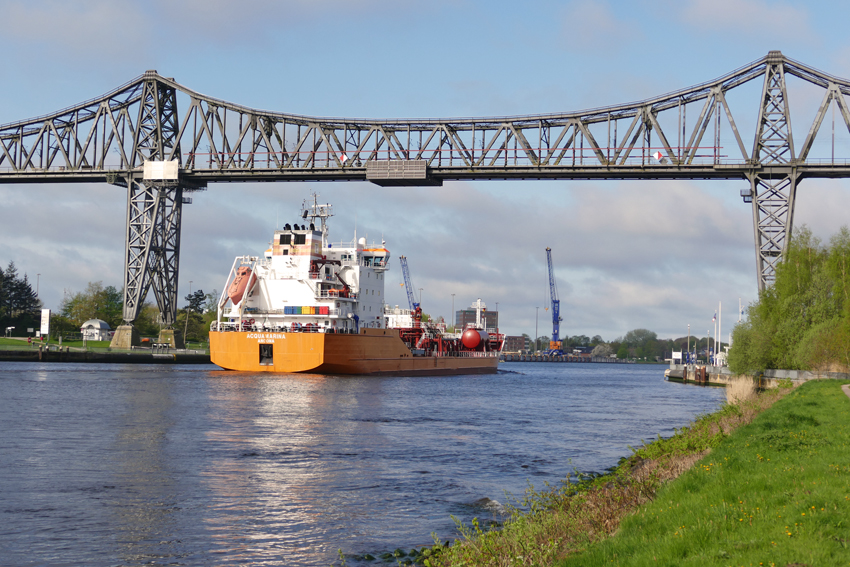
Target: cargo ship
[{"x": 311, "y": 306}]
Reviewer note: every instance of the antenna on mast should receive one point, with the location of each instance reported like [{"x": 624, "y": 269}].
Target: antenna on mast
[{"x": 316, "y": 211}]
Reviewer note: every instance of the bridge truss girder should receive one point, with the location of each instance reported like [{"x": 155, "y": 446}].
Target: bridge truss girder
[{"x": 679, "y": 135}]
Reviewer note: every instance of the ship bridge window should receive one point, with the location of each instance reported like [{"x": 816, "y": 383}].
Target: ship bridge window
[
  {"x": 266, "y": 355},
  {"x": 286, "y": 239},
  {"x": 300, "y": 239}
]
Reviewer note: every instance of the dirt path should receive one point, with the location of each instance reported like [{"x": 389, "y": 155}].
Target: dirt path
[{"x": 846, "y": 389}]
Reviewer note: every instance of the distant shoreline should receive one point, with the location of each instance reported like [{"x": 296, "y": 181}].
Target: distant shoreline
[{"x": 133, "y": 357}]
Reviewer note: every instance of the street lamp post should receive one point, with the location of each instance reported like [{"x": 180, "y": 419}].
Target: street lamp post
[
  {"x": 454, "y": 318},
  {"x": 37, "y": 281},
  {"x": 186, "y": 326}
]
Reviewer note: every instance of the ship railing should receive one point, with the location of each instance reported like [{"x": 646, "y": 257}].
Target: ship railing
[
  {"x": 254, "y": 313},
  {"x": 466, "y": 354},
  {"x": 321, "y": 276},
  {"x": 334, "y": 294},
  {"x": 363, "y": 263},
  {"x": 225, "y": 326}
]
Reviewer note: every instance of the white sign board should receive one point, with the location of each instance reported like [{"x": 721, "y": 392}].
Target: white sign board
[
  {"x": 161, "y": 170},
  {"x": 45, "y": 322}
]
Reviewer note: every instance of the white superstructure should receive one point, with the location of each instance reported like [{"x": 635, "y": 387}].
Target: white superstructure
[{"x": 303, "y": 282}]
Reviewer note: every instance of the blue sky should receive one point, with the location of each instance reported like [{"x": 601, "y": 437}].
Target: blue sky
[{"x": 658, "y": 255}]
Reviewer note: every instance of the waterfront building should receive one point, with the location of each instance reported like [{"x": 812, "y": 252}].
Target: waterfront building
[{"x": 489, "y": 319}]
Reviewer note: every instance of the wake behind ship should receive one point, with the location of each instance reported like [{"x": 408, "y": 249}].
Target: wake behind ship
[{"x": 308, "y": 305}]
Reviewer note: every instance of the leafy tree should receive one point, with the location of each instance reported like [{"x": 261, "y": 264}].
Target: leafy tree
[
  {"x": 801, "y": 321},
  {"x": 147, "y": 322},
  {"x": 211, "y": 302},
  {"x": 113, "y": 308},
  {"x": 96, "y": 302},
  {"x": 639, "y": 337},
  {"x": 201, "y": 309},
  {"x": 602, "y": 350}
]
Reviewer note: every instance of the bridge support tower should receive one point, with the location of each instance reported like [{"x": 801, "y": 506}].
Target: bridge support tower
[
  {"x": 154, "y": 213},
  {"x": 773, "y": 185}
]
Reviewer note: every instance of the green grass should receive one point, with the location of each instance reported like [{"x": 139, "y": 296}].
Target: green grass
[
  {"x": 20, "y": 343},
  {"x": 774, "y": 492}
]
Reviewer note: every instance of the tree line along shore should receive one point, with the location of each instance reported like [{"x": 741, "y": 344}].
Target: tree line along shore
[{"x": 20, "y": 308}]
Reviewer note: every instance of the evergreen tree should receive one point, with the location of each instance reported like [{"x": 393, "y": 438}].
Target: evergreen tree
[
  {"x": 19, "y": 304},
  {"x": 196, "y": 301},
  {"x": 3, "y": 300}
]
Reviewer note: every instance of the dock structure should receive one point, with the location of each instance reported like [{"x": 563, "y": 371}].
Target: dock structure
[{"x": 723, "y": 376}]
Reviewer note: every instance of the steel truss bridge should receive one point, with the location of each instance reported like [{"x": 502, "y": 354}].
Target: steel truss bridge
[{"x": 688, "y": 134}]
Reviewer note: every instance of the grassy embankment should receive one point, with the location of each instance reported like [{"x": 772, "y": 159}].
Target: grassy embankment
[{"x": 769, "y": 488}]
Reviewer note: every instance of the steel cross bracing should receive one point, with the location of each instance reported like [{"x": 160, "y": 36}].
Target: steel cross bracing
[{"x": 693, "y": 133}]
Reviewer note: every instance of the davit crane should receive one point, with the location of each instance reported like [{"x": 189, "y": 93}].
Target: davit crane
[{"x": 555, "y": 342}]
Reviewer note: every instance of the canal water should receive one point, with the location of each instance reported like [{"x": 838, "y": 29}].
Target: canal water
[{"x": 189, "y": 465}]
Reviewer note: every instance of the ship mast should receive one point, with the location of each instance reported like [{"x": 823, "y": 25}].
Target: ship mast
[{"x": 316, "y": 211}]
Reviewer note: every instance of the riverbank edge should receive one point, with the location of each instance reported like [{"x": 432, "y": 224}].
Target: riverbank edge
[
  {"x": 131, "y": 357},
  {"x": 722, "y": 376},
  {"x": 567, "y": 519},
  {"x": 776, "y": 492}
]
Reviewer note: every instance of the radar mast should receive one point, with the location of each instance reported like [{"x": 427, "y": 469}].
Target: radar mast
[{"x": 316, "y": 211}]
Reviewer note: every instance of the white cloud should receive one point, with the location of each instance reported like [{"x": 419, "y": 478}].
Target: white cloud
[
  {"x": 80, "y": 33},
  {"x": 760, "y": 18},
  {"x": 593, "y": 26}
]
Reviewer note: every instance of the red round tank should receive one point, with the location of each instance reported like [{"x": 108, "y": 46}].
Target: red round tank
[{"x": 473, "y": 338}]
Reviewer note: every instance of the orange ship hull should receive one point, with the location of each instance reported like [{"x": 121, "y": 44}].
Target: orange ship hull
[{"x": 372, "y": 351}]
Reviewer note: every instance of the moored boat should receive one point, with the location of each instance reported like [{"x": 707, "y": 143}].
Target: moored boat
[{"x": 309, "y": 305}]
